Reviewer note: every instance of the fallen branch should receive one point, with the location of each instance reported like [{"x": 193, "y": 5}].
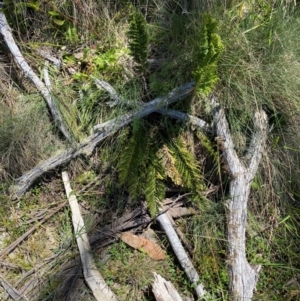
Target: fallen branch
[
  {"x": 87, "y": 147},
  {"x": 181, "y": 255},
  {"x": 178, "y": 231},
  {"x": 91, "y": 274},
  {"x": 10, "y": 290},
  {"x": 5, "y": 30},
  {"x": 117, "y": 100},
  {"x": 243, "y": 276},
  {"x": 164, "y": 290}
]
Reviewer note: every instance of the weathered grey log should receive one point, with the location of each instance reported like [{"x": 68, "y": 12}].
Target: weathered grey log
[
  {"x": 5, "y": 30},
  {"x": 243, "y": 276},
  {"x": 119, "y": 100},
  {"x": 87, "y": 147}
]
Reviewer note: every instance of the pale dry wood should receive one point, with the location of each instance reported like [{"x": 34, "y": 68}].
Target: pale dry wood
[
  {"x": 181, "y": 254},
  {"x": 179, "y": 232},
  {"x": 91, "y": 274},
  {"x": 164, "y": 290},
  {"x": 118, "y": 100},
  {"x": 243, "y": 276},
  {"x": 10, "y": 290},
  {"x": 88, "y": 145},
  {"x": 5, "y": 31},
  {"x": 46, "y": 54}
]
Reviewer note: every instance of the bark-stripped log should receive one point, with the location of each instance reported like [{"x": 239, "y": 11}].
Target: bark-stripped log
[
  {"x": 5, "y": 30},
  {"x": 243, "y": 276},
  {"x": 180, "y": 253},
  {"x": 87, "y": 147},
  {"x": 92, "y": 276}
]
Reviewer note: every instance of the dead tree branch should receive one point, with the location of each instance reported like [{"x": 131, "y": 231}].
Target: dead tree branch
[
  {"x": 117, "y": 100},
  {"x": 91, "y": 274},
  {"x": 180, "y": 253},
  {"x": 5, "y": 30},
  {"x": 243, "y": 276},
  {"x": 104, "y": 130},
  {"x": 164, "y": 290}
]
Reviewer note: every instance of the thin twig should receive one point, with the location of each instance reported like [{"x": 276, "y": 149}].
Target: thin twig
[{"x": 13, "y": 245}]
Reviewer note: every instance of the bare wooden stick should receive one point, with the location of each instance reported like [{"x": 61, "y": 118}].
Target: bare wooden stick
[
  {"x": 5, "y": 30},
  {"x": 11, "y": 291},
  {"x": 91, "y": 274},
  {"x": 87, "y": 147},
  {"x": 181, "y": 255},
  {"x": 243, "y": 276},
  {"x": 179, "y": 232},
  {"x": 164, "y": 290}
]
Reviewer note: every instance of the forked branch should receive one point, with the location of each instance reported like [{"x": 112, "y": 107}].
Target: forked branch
[{"x": 243, "y": 276}]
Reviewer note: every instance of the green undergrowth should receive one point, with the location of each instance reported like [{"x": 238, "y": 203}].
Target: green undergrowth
[
  {"x": 131, "y": 282},
  {"x": 244, "y": 52}
]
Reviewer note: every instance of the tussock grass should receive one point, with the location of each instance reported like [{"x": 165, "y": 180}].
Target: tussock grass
[{"x": 25, "y": 136}]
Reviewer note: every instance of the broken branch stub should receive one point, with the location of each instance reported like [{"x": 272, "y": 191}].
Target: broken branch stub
[{"x": 243, "y": 276}]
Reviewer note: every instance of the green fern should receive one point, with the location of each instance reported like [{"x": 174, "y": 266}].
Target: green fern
[
  {"x": 138, "y": 39},
  {"x": 167, "y": 161},
  {"x": 187, "y": 166},
  {"x": 207, "y": 56},
  {"x": 132, "y": 160},
  {"x": 154, "y": 186},
  {"x": 208, "y": 145}
]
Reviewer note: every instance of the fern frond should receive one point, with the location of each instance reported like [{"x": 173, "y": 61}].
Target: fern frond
[
  {"x": 208, "y": 145},
  {"x": 207, "y": 56},
  {"x": 186, "y": 165},
  {"x": 132, "y": 159},
  {"x": 167, "y": 160},
  {"x": 154, "y": 187},
  {"x": 138, "y": 39}
]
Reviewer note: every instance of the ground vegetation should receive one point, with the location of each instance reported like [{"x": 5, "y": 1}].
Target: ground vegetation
[{"x": 244, "y": 53}]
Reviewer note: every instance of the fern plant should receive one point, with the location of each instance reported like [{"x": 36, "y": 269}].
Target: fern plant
[
  {"x": 156, "y": 152},
  {"x": 133, "y": 159},
  {"x": 153, "y": 157},
  {"x": 138, "y": 39},
  {"x": 207, "y": 56}
]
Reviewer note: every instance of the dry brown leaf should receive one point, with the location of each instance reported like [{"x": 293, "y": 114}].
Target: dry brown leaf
[{"x": 148, "y": 246}]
